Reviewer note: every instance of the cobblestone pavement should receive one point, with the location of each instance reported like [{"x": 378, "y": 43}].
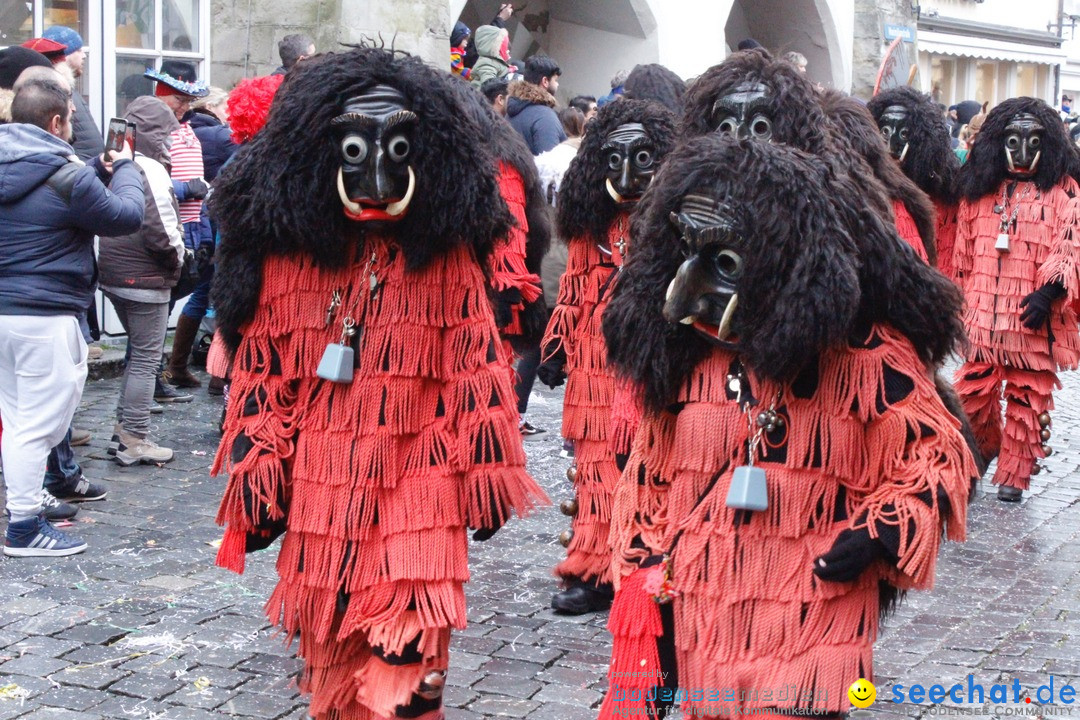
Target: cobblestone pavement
[{"x": 144, "y": 626}]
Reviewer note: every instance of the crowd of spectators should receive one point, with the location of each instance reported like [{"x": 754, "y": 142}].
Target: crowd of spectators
[{"x": 142, "y": 202}]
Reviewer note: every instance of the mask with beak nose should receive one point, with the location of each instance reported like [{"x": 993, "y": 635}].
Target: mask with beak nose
[
  {"x": 631, "y": 162},
  {"x": 704, "y": 292},
  {"x": 1023, "y": 144},
  {"x": 376, "y": 135},
  {"x": 893, "y": 124}
]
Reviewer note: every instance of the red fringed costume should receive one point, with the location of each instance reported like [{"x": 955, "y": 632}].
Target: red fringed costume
[
  {"x": 909, "y": 231},
  {"x": 508, "y": 269},
  {"x": 428, "y": 423},
  {"x": 590, "y": 419},
  {"x": 1044, "y": 247},
  {"x": 749, "y": 614},
  {"x": 947, "y": 219}
]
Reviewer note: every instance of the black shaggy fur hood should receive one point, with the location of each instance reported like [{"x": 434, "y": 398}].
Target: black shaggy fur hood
[
  {"x": 798, "y": 119},
  {"x": 821, "y": 265},
  {"x": 279, "y": 193},
  {"x": 930, "y": 160},
  {"x": 986, "y": 165},
  {"x": 585, "y": 209},
  {"x": 852, "y": 122},
  {"x": 507, "y": 145}
]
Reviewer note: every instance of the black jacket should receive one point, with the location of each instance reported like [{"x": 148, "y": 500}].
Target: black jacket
[
  {"x": 88, "y": 141},
  {"x": 217, "y": 144}
]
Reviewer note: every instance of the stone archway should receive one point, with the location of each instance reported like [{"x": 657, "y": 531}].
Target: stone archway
[
  {"x": 590, "y": 40},
  {"x": 805, "y": 26}
]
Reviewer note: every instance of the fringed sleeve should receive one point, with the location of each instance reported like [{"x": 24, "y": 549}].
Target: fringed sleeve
[
  {"x": 508, "y": 258},
  {"x": 1063, "y": 263},
  {"x": 573, "y": 292},
  {"x": 482, "y": 411},
  {"x": 964, "y": 243},
  {"x": 946, "y": 238},
  {"x": 917, "y": 457},
  {"x": 260, "y": 427},
  {"x": 908, "y": 230}
]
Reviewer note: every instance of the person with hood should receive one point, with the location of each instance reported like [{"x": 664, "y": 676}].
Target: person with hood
[
  {"x": 51, "y": 206},
  {"x": 531, "y": 107},
  {"x": 459, "y": 42},
  {"x": 493, "y": 44},
  {"x": 617, "y": 89},
  {"x": 138, "y": 271}
]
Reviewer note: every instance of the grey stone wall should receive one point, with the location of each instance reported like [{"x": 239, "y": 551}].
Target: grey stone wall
[
  {"x": 869, "y": 41},
  {"x": 245, "y": 33}
]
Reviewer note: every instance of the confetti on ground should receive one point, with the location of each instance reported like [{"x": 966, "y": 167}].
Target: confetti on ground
[
  {"x": 202, "y": 683},
  {"x": 12, "y": 691},
  {"x": 215, "y": 543},
  {"x": 198, "y": 452}
]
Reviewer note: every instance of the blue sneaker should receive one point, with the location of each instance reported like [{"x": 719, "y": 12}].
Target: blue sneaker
[{"x": 37, "y": 538}]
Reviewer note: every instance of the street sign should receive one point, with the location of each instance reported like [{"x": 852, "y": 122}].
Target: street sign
[{"x": 904, "y": 32}]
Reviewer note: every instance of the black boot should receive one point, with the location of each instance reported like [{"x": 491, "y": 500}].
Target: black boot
[
  {"x": 1009, "y": 494},
  {"x": 583, "y": 597}
]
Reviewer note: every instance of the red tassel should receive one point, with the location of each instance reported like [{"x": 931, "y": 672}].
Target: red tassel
[
  {"x": 231, "y": 553},
  {"x": 635, "y": 625}
]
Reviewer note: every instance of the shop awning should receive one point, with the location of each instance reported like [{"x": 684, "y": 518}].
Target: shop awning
[{"x": 940, "y": 43}]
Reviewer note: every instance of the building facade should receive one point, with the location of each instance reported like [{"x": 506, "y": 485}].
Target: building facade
[{"x": 990, "y": 50}]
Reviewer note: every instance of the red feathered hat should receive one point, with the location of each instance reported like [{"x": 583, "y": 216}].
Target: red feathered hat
[{"x": 249, "y": 104}]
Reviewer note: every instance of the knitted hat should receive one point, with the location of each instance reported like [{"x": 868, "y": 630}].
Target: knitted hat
[
  {"x": 15, "y": 59},
  {"x": 461, "y": 31},
  {"x": 49, "y": 48},
  {"x": 65, "y": 36}
]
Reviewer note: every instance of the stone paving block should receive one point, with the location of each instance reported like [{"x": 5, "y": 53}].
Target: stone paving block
[
  {"x": 563, "y": 711},
  {"x": 48, "y": 713},
  {"x": 514, "y": 687},
  {"x": 256, "y": 705},
  {"x": 32, "y": 665},
  {"x": 71, "y": 698},
  {"x": 147, "y": 686},
  {"x": 503, "y": 706},
  {"x": 97, "y": 677}
]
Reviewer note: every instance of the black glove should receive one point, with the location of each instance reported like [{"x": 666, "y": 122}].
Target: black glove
[
  {"x": 1037, "y": 305},
  {"x": 551, "y": 371},
  {"x": 505, "y": 300},
  {"x": 204, "y": 257},
  {"x": 851, "y": 553},
  {"x": 197, "y": 189}
]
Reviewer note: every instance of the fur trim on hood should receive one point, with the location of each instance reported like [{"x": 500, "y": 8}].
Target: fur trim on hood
[
  {"x": 530, "y": 93},
  {"x": 6, "y": 96}
]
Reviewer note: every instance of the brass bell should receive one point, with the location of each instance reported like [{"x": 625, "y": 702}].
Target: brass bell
[
  {"x": 571, "y": 473},
  {"x": 1044, "y": 434},
  {"x": 565, "y": 537},
  {"x": 1036, "y": 469},
  {"x": 1047, "y": 451},
  {"x": 569, "y": 507},
  {"x": 1044, "y": 419},
  {"x": 431, "y": 687}
]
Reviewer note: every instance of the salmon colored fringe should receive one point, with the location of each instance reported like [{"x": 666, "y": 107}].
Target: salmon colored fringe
[
  {"x": 218, "y": 359},
  {"x": 508, "y": 269},
  {"x": 908, "y": 230},
  {"x": 1044, "y": 246},
  {"x": 751, "y": 615},
  {"x": 599, "y": 425},
  {"x": 429, "y": 422},
  {"x": 1027, "y": 394},
  {"x": 635, "y": 627},
  {"x": 946, "y": 214}
]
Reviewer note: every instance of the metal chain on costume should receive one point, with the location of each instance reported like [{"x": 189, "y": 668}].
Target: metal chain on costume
[
  {"x": 1007, "y": 219},
  {"x": 348, "y": 323}
]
